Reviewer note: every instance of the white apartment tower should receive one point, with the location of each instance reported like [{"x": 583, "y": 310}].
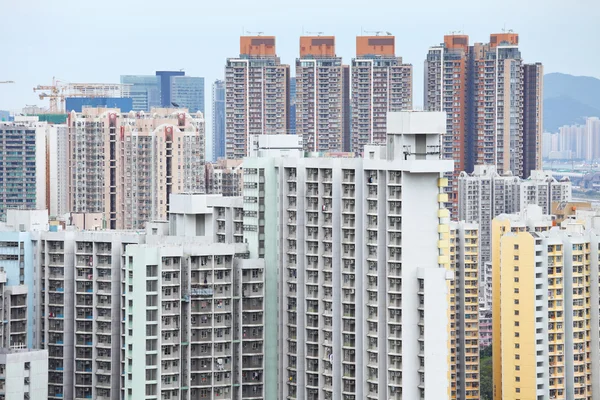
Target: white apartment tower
[
  {"x": 198, "y": 302},
  {"x": 79, "y": 308},
  {"x": 322, "y": 96},
  {"x": 381, "y": 83},
  {"x": 364, "y": 291},
  {"x": 256, "y": 94}
]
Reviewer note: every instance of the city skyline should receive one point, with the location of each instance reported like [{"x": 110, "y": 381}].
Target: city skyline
[{"x": 27, "y": 72}]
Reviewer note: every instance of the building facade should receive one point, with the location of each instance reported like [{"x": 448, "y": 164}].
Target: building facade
[
  {"x": 322, "y": 95},
  {"x": 545, "y": 288},
  {"x": 485, "y": 194},
  {"x": 493, "y": 103},
  {"x": 164, "y": 78},
  {"x": 256, "y": 94},
  {"x": 23, "y": 169},
  {"x": 381, "y": 83},
  {"x": 334, "y": 212},
  {"x": 57, "y": 186},
  {"x": 464, "y": 310},
  {"x": 187, "y": 92},
  {"x": 144, "y": 91},
  {"x": 533, "y": 117},
  {"x": 79, "y": 310},
  {"x": 218, "y": 120},
  {"x": 127, "y": 165},
  {"x": 224, "y": 177},
  {"x": 23, "y": 374}
]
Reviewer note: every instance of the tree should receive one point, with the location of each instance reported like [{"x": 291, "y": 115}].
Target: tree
[{"x": 486, "y": 386}]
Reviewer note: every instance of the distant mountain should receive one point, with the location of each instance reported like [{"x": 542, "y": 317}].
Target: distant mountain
[{"x": 569, "y": 100}]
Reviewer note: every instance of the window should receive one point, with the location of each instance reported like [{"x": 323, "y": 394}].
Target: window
[
  {"x": 516, "y": 280},
  {"x": 516, "y": 268},
  {"x": 516, "y": 301},
  {"x": 516, "y": 258}
]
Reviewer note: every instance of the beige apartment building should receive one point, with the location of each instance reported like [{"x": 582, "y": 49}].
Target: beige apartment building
[{"x": 125, "y": 165}]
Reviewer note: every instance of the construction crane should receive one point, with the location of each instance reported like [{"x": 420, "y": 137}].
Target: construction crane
[
  {"x": 60, "y": 90},
  {"x": 377, "y": 33},
  {"x": 7, "y": 82}
]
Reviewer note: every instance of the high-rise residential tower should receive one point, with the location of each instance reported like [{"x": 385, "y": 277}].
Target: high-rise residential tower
[
  {"x": 256, "y": 94},
  {"x": 126, "y": 165},
  {"x": 533, "y": 116},
  {"x": 292, "y": 129},
  {"x": 322, "y": 95},
  {"x": 364, "y": 306},
  {"x": 493, "y": 103},
  {"x": 380, "y": 83},
  {"x": 218, "y": 119},
  {"x": 485, "y": 194},
  {"x": 545, "y": 308},
  {"x": 446, "y": 70},
  {"x": 23, "y": 169}
]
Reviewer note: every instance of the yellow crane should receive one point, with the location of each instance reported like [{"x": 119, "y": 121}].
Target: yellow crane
[{"x": 7, "y": 82}]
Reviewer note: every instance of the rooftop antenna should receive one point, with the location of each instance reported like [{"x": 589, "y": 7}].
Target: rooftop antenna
[
  {"x": 255, "y": 33},
  {"x": 316, "y": 33},
  {"x": 377, "y": 33}
]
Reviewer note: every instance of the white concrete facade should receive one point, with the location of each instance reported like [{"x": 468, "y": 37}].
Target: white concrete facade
[
  {"x": 354, "y": 238},
  {"x": 23, "y": 374}
]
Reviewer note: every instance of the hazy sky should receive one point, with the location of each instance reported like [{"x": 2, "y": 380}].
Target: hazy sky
[{"x": 97, "y": 41}]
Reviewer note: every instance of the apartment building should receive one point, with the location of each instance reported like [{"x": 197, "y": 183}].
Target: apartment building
[
  {"x": 545, "y": 308},
  {"x": 446, "y": 70},
  {"x": 533, "y": 117},
  {"x": 332, "y": 213},
  {"x": 543, "y": 189},
  {"x": 381, "y": 83},
  {"x": 224, "y": 177},
  {"x": 23, "y": 169},
  {"x": 464, "y": 310},
  {"x": 256, "y": 94},
  {"x": 218, "y": 120},
  {"x": 322, "y": 96},
  {"x": 199, "y": 300},
  {"x": 485, "y": 194},
  {"x": 23, "y": 374},
  {"x": 79, "y": 308},
  {"x": 126, "y": 165},
  {"x": 57, "y": 182},
  {"x": 17, "y": 277},
  {"x": 493, "y": 102}
]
